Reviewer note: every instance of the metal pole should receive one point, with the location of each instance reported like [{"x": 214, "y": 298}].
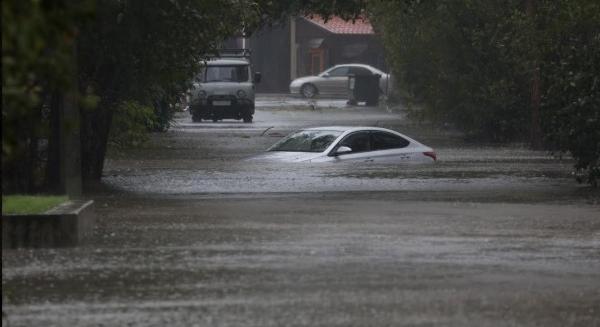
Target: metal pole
[
  {"x": 293, "y": 55},
  {"x": 536, "y": 130}
]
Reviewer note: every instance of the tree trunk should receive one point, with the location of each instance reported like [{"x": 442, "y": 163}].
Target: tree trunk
[
  {"x": 95, "y": 128},
  {"x": 535, "y": 130},
  {"x": 53, "y": 171}
]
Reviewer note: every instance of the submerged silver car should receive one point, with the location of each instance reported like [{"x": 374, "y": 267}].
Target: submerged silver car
[
  {"x": 348, "y": 144},
  {"x": 335, "y": 80}
]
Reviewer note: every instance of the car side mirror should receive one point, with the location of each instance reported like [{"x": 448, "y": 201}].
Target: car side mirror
[
  {"x": 257, "y": 77},
  {"x": 343, "y": 150},
  {"x": 325, "y": 75}
]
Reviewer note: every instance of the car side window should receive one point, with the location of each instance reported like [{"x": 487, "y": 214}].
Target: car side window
[
  {"x": 383, "y": 141},
  {"x": 361, "y": 71},
  {"x": 321, "y": 143},
  {"x": 358, "y": 142},
  {"x": 340, "y": 71}
]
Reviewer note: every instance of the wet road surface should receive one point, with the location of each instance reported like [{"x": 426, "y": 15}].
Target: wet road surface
[{"x": 190, "y": 234}]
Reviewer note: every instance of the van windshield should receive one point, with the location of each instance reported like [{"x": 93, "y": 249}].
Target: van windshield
[{"x": 234, "y": 73}]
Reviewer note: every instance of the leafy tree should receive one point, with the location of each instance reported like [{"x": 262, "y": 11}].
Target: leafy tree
[
  {"x": 131, "y": 60},
  {"x": 130, "y": 123},
  {"x": 37, "y": 56},
  {"x": 474, "y": 64},
  {"x": 455, "y": 57},
  {"x": 148, "y": 51},
  {"x": 143, "y": 52},
  {"x": 570, "y": 44}
]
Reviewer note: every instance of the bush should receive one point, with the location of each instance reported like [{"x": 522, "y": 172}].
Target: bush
[
  {"x": 471, "y": 64},
  {"x": 131, "y": 123},
  {"x": 571, "y": 76}
]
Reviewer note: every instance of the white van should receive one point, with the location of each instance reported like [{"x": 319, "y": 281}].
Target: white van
[{"x": 224, "y": 89}]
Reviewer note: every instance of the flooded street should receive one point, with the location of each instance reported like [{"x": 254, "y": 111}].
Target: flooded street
[{"x": 191, "y": 233}]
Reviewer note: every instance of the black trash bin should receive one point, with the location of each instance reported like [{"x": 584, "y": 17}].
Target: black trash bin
[{"x": 363, "y": 88}]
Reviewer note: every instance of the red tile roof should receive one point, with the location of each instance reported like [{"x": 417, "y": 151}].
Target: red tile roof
[{"x": 337, "y": 25}]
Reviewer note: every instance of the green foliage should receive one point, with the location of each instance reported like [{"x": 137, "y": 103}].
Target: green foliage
[
  {"x": 145, "y": 52},
  {"x": 571, "y": 76},
  {"x": 164, "y": 112},
  {"x": 455, "y": 57},
  {"x": 471, "y": 64},
  {"x": 126, "y": 56},
  {"x": 148, "y": 51},
  {"x": 27, "y": 65},
  {"x": 30, "y": 204},
  {"x": 37, "y": 61},
  {"x": 131, "y": 123},
  {"x": 268, "y": 11}
]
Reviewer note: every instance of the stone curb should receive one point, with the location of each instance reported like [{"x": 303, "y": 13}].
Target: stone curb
[{"x": 68, "y": 224}]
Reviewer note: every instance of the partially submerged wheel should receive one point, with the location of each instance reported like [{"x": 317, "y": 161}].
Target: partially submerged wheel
[{"x": 308, "y": 91}]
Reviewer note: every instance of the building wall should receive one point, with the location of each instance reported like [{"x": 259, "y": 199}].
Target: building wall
[
  {"x": 305, "y": 32},
  {"x": 271, "y": 52},
  {"x": 336, "y": 47},
  {"x": 362, "y": 49},
  {"x": 271, "y": 57}
]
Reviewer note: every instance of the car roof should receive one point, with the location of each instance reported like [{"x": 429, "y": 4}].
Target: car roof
[
  {"x": 358, "y": 65},
  {"x": 227, "y": 62},
  {"x": 345, "y": 130},
  {"x": 348, "y": 128}
]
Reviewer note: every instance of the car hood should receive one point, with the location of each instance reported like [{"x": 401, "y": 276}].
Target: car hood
[
  {"x": 284, "y": 156},
  {"x": 305, "y": 79}
]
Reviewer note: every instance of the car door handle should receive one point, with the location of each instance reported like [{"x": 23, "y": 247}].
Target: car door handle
[{"x": 369, "y": 160}]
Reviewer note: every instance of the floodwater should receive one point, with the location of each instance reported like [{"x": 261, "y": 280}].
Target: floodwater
[
  {"x": 208, "y": 158},
  {"x": 190, "y": 234}
]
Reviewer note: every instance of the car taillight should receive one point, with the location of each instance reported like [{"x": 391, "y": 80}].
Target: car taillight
[{"x": 431, "y": 154}]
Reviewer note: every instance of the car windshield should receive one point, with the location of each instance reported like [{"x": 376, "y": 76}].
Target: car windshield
[
  {"x": 233, "y": 73},
  {"x": 306, "y": 141}
]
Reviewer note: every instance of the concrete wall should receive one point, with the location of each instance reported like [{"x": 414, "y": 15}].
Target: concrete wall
[{"x": 67, "y": 225}]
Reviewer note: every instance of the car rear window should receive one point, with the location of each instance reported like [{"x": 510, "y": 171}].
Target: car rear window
[
  {"x": 383, "y": 141},
  {"x": 361, "y": 71}
]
